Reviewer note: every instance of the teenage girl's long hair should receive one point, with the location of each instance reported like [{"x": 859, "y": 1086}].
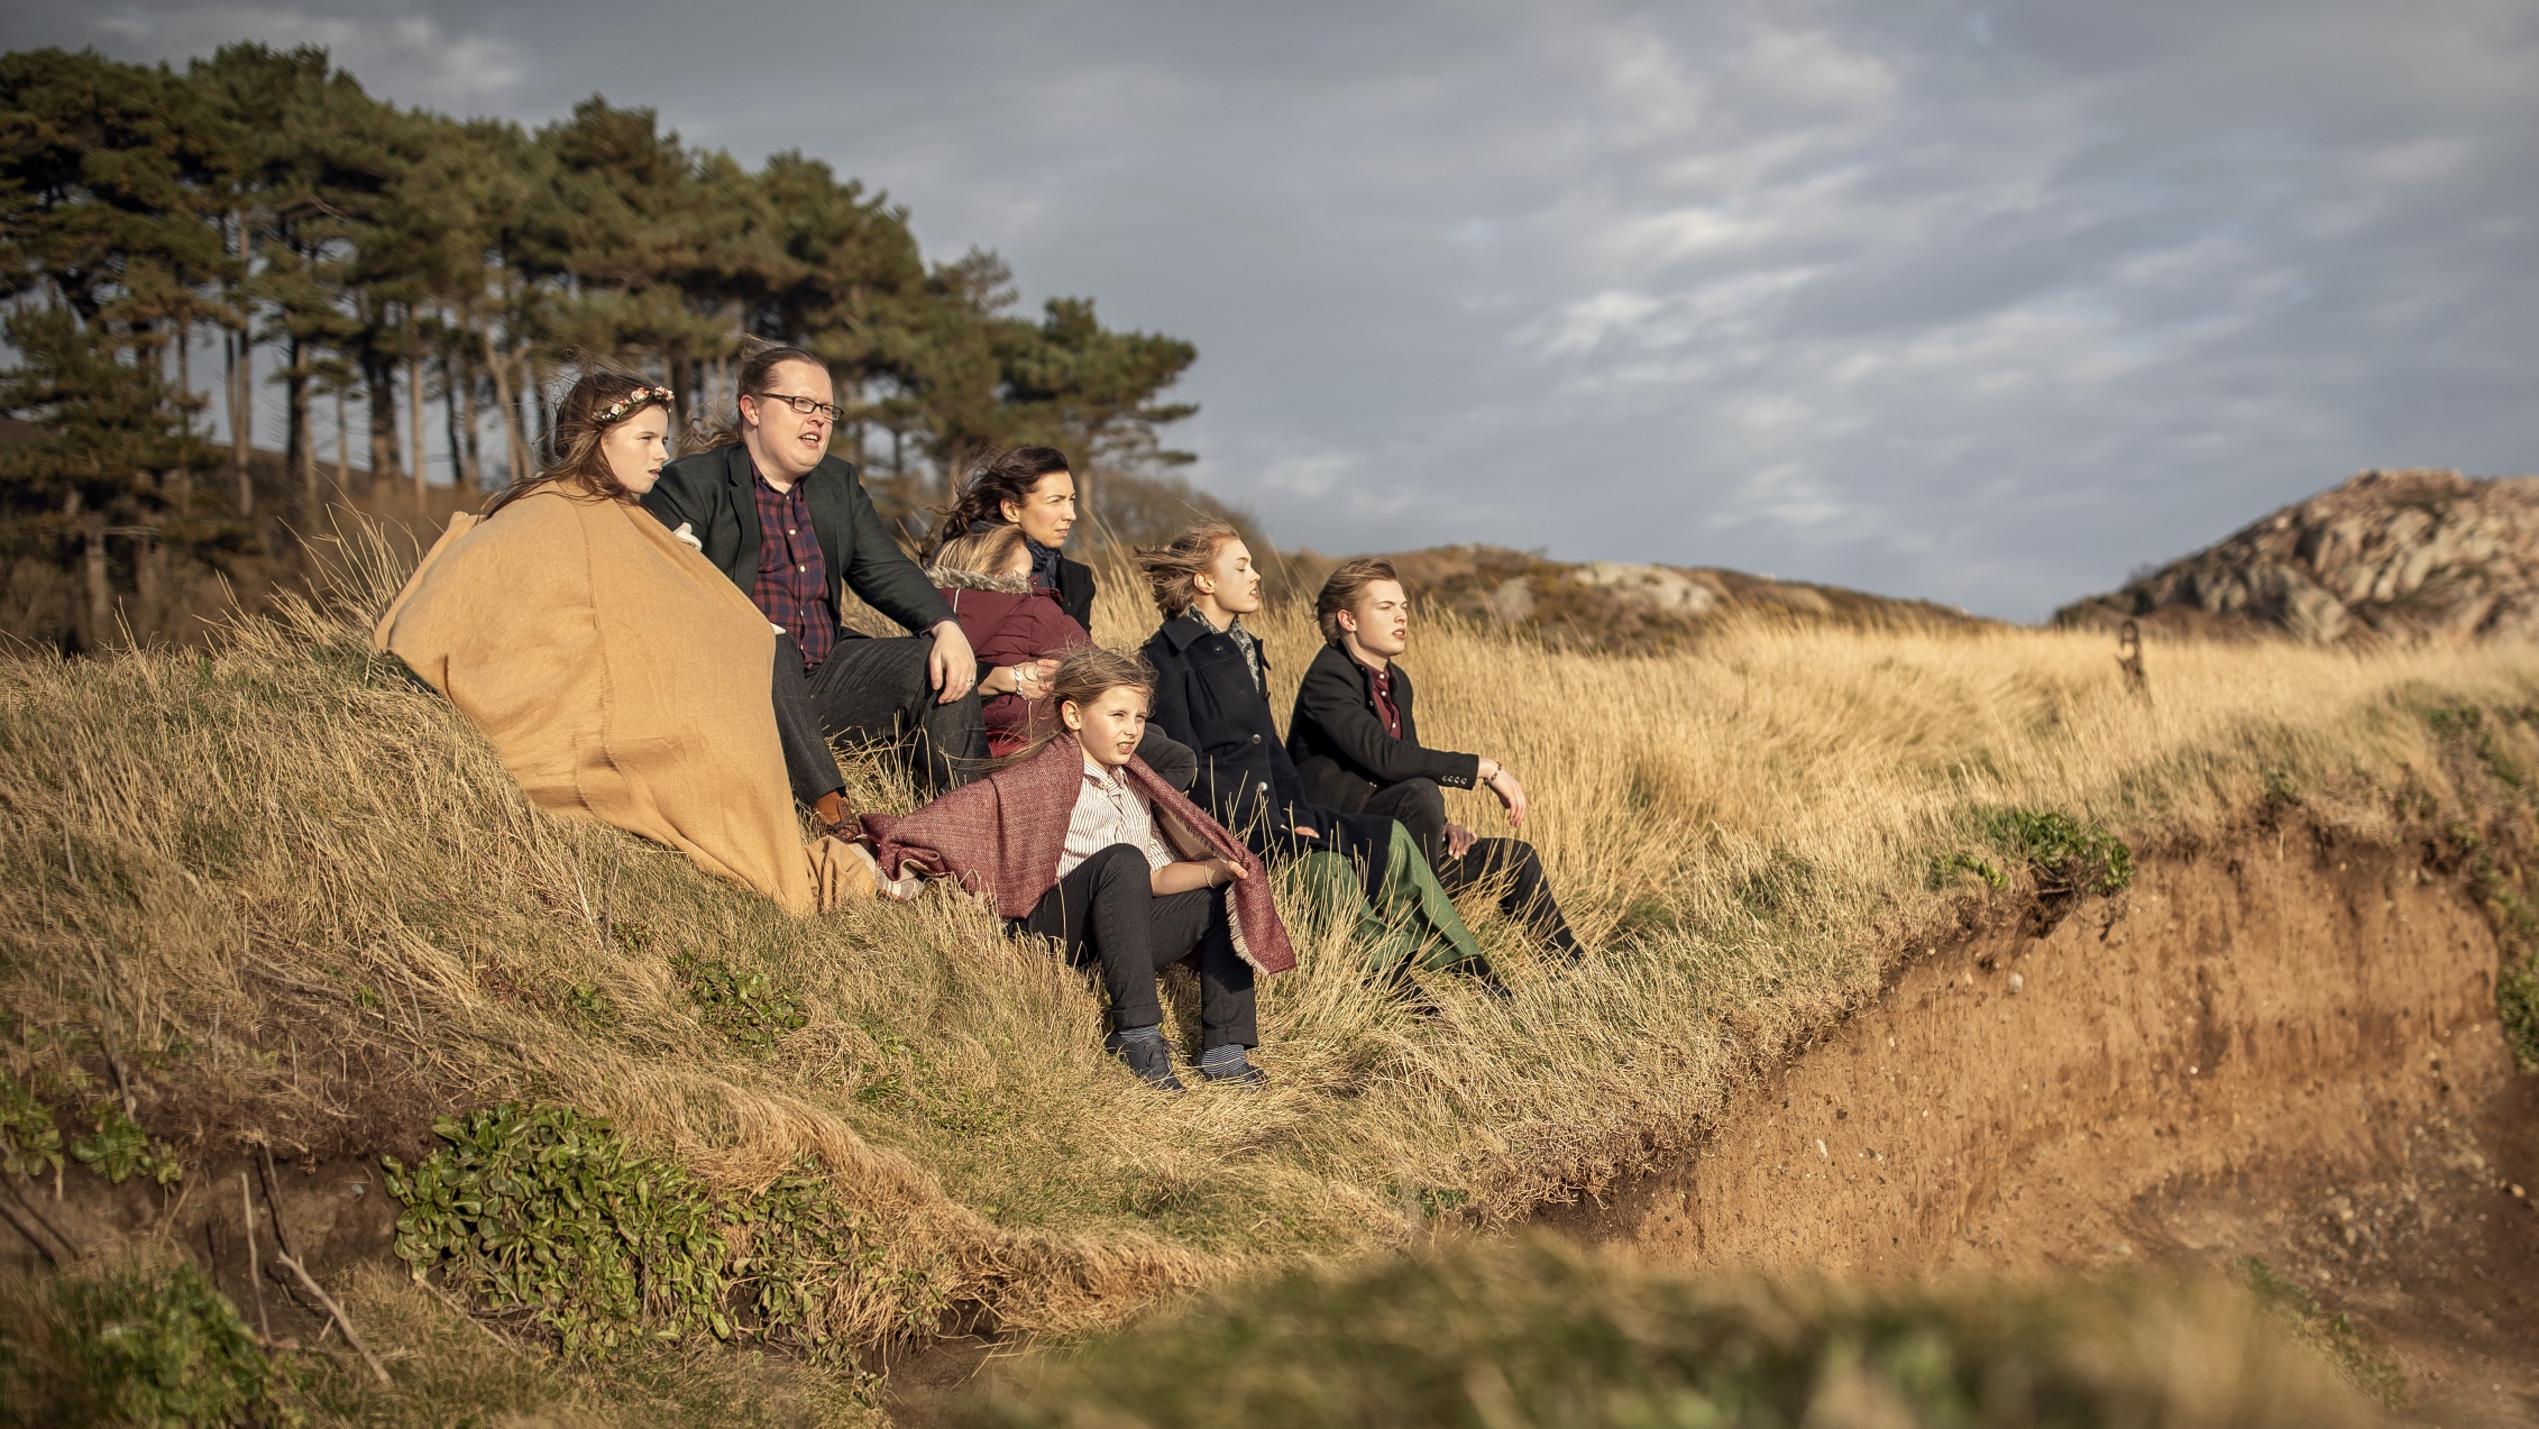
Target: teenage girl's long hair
[
  {"x": 1172, "y": 569},
  {"x": 575, "y": 463}
]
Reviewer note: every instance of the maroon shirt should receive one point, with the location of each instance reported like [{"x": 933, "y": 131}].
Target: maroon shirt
[
  {"x": 792, "y": 587},
  {"x": 1381, "y": 685}
]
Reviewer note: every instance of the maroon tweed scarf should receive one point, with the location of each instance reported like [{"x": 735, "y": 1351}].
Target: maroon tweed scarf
[{"x": 1002, "y": 836}]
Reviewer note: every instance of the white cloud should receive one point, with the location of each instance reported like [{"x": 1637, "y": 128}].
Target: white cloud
[{"x": 411, "y": 57}]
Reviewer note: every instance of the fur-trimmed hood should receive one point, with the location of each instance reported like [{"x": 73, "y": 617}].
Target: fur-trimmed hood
[{"x": 945, "y": 576}]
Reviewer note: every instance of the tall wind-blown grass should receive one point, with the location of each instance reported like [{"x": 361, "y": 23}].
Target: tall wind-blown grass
[{"x": 291, "y": 898}]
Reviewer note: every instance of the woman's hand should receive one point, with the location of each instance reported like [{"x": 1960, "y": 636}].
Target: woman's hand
[
  {"x": 1234, "y": 872},
  {"x": 1030, "y": 679}
]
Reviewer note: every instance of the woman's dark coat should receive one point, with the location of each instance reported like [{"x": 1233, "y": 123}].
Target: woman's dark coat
[
  {"x": 1340, "y": 747},
  {"x": 1205, "y": 698},
  {"x": 1075, "y": 593}
]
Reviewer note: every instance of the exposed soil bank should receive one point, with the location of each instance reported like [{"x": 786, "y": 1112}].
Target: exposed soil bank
[{"x": 2284, "y": 1048}]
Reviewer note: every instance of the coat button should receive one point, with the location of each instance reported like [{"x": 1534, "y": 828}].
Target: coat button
[{"x": 1256, "y": 739}]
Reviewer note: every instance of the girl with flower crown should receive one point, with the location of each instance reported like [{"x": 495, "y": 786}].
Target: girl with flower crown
[{"x": 615, "y": 670}]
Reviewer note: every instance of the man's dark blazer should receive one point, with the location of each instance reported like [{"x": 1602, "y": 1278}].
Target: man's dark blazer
[
  {"x": 711, "y": 494},
  {"x": 1340, "y": 746}
]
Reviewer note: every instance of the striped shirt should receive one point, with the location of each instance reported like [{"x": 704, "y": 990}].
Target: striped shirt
[{"x": 1109, "y": 812}]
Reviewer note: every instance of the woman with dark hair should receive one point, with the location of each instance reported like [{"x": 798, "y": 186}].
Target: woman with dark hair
[
  {"x": 1354, "y": 736},
  {"x": 1029, "y": 492},
  {"x": 1075, "y": 840},
  {"x": 1212, "y": 693},
  {"x": 790, "y": 524},
  {"x": 617, "y": 674}
]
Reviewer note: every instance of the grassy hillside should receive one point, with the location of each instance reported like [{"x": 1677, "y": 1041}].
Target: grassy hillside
[
  {"x": 275, "y": 894},
  {"x": 1511, "y": 1338}
]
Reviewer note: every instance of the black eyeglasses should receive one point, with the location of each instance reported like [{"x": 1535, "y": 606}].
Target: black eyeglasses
[{"x": 805, "y": 405}]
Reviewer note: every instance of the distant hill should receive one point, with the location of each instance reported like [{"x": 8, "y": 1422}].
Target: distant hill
[
  {"x": 1621, "y": 605},
  {"x": 2407, "y": 555}
]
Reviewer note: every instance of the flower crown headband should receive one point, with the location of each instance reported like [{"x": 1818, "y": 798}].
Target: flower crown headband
[{"x": 637, "y": 398}]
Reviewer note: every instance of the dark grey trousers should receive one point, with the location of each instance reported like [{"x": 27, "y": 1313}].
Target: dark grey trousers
[
  {"x": 1105, "y": 911},
  {"x": 876, "y": 691},
  {"x": 811, "y": 767},
  {"x": 1510, "y": 863}
]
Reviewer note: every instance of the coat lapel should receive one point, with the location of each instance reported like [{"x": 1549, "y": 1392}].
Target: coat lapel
[
  {"x": 739, "y": 477},
  {"x": 825, "y": 490}
]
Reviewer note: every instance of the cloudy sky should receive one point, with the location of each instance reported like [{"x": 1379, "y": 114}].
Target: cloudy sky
[{"x": 1982, "y": 302}]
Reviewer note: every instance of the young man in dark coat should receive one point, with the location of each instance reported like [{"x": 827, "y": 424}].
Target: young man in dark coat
[
  {"x": 1354, "y": 739},
  {"x": 791, "y": 524}
]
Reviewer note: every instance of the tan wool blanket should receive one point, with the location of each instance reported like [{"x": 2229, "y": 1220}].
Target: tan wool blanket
[{"x": 621, "y": 678}]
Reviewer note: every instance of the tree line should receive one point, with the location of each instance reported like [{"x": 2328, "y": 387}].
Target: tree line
[{"x": 258, "y": 213}]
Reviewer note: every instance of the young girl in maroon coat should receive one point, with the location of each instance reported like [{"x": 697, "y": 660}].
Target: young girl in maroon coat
[
  {"x": 1017, "y": 629},
  {"x": 1079, "y": 842}
]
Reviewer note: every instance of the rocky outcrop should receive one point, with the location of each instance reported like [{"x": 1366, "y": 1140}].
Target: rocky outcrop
[
  {"x": 1626, "y": 605},
  {"x": 2408, "y": 555}
]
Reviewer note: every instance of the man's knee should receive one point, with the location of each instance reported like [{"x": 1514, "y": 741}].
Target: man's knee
[{"x": 1420, "y": 806}]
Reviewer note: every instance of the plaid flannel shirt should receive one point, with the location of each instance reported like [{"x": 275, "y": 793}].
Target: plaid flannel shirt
[{"x": 792, "y": 588}]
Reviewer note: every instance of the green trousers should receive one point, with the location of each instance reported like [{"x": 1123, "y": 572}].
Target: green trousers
[{"x": 1407, "y": 921}]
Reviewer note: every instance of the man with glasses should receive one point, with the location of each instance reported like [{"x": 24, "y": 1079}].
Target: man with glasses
[{"x": 788, "y": 522}]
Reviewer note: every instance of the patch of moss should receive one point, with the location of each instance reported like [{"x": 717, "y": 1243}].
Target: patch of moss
[{"x": 2360, "y": 1358}]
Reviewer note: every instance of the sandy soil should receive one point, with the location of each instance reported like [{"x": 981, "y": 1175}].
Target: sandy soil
[{"x": 2285, "y": 1049}]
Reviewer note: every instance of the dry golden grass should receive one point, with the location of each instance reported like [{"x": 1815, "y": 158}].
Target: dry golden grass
[{"x": 298, "y": 901}]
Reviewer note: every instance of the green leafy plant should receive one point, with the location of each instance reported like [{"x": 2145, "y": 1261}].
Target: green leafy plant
[
  {"x": 117, "y": 1148},
  {"x": 30, "y": 1144},
  {"x": 1946, "y": 867},
  {"x": 549, "y": 1211},
  {"x": 138, "y": 1348},
  {"x": 2062, "y": 853},
  {"x": 750, "y": 1009},
  {"x": 2517, "y": 1003}
]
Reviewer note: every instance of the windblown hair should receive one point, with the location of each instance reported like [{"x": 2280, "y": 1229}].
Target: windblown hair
[
  {"x": 979, "y": 553},
  {"x": 1172, "y": 568},
  {"x": 1088, "y": 672},
  {"x": 1349, "y": 580},
  {"x": 1081, "y": 679},
  {"x": 759, "y": 361},
  {"x": 574, "y": 460},
  {"x": 993, "y": 480}
]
